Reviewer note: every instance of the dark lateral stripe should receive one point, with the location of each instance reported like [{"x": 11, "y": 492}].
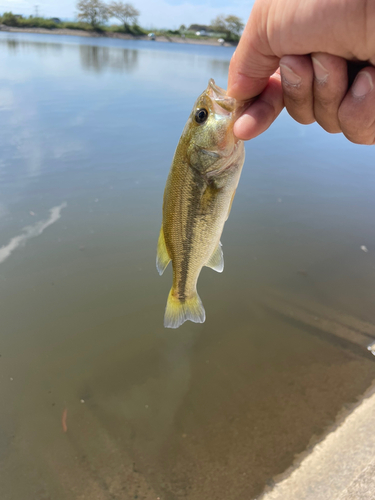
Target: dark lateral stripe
[
  {"x": 192, "y": 201},
  {"x": 187, "y": 240},
  {"x": 199, "y": 201}
]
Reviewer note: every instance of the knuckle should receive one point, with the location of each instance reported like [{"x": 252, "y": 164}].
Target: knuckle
[
  {"x": 305, "y": 117},
  {"x": 326, "y": 102},
  {"x": 300, "y": 110},
  {"x": 332, "y": 127},
  {"x": 264, "y": 112},
  {"x": 327, "y": 118},
  {"x": 298, "y": 94},
  {"x": 357, "y": 127},
  {"x": 307, "y": 121},
  {"x": 366, "y": 140}
]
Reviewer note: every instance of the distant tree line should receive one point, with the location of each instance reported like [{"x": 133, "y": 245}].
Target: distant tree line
[
  {"x": 10, "y": 19},
  {"x": 232, "y": 26},
  {"x": 229, "y": 26},
  {"x": 94, "y": 14}
]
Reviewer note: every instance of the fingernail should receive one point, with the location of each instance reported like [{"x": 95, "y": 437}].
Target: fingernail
[
  {"x": 363, "y": 84},
  {"x": 320, "y": 72},
  {"x": 289, "y": 76}
]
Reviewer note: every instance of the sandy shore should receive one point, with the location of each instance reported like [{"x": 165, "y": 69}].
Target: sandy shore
[{"x": 123, "y": 36}]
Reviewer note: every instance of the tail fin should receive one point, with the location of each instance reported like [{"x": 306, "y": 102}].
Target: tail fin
[{"x": 177, "y": 311}]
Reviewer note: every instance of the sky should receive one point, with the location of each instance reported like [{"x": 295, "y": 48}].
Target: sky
[{"x": 154, "y": 13}]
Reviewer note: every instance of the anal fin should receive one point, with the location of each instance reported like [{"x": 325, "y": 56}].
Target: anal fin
[
  {"x": 162, "y": 256},
  {"x": 216, "y": 261}
]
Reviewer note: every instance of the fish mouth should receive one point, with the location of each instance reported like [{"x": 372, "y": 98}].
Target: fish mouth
[
  {"x": 224, "y": 105},
  {"x": 218, "y": 91}
]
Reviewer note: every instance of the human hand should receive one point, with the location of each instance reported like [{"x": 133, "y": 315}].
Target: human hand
[{"x": 324, "y": 36}]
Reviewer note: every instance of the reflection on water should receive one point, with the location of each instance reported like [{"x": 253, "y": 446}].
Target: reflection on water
[
  {"x": 14, "y": 46},
  {"x": 219, "y": 67},
  {"x": 101, "y": 58},
  {"x": 11, "y": 44},
  {"x": 30, "y": 232},
  {"x": 210, "y": 411}
]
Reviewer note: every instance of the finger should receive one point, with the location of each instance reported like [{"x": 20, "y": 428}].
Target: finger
[
  {"x": 330, "y": 87},
  {"x": 261, "y": 114},
  {"x": 297, "y": 80},
  {"x": 244, "y": 82},
  {"x": 357, "y": 111},
  {"x": 275, "y": 29}
]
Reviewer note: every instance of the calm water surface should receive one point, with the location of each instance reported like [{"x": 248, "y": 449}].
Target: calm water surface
[{"x": 88, "y": 128}]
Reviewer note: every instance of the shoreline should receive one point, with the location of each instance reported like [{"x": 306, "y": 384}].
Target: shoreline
[{"x": 108, "y": 34}]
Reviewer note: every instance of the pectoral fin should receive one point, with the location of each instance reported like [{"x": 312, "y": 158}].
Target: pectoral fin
[
  {"x": 216, "y": 261},
  {"x": 162, "y": 257}
]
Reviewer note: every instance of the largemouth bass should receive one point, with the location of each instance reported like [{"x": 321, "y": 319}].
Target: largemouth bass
[{"x": 198, "y": 196}]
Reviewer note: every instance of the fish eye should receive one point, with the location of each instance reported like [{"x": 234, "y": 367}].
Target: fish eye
[{"x": 201, "y": 115}]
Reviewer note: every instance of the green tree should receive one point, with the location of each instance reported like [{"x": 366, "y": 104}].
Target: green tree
[
  {"x": 9, "y": 19},
  {"x": 93, "y": 12},
  {"x": 219, "y": 24},
  {"x": 232, "y": 26},
  {"x": 125, "y": 12}
]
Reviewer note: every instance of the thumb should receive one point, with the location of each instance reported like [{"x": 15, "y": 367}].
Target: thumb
[{"x": 253, "y": 61}]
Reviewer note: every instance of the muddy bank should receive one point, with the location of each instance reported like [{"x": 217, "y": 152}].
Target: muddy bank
[{"x": 107, "y": 34}]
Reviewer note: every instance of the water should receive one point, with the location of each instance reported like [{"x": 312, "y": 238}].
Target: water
[{"x": 88, "y": 128}]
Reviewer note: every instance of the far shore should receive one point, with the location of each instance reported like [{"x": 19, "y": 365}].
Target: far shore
[{"x": 108, "y": 34}]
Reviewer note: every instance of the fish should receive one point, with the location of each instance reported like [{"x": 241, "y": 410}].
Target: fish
[{"x": 198, "y": 197}]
